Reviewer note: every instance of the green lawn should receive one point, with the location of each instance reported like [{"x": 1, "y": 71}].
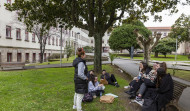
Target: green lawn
[
  {"x": 51, "y": 90},
  {"x": 64, "y": 60},
  {"x": 180, "y": 74},
  {"x": 162, "y": 58}
]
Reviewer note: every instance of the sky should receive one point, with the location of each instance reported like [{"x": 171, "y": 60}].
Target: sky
[{"x": 167, "y": 20}]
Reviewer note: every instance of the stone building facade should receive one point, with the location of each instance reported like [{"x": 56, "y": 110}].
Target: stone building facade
[{"x": 18, "y": 45}]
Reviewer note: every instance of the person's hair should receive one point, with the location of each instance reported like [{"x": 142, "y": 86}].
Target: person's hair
[
  {"x": 92, "y": 78},
  {"x": 92, "y": 71},
  {"x": 160, "y": 74},
  {"x": 80, "y": 52},
  {"x": 142, "y": 64},
  {"x": 145, "y": 66},
  {"x": 103, "y": 70},
  {"x": 164, "y": 66}
]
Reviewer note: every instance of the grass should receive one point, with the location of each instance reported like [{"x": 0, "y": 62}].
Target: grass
[
  {"x": 64, "y": 60},
  {"x": 180, "y": 74},
  {"x": 51, "y": 90},
  {"x": 162, "y": 58}
]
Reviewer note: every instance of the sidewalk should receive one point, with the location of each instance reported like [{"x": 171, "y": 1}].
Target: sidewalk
[
  {"x": 131, "y": 67},
  {"x": 170, "y": 64},
  {"x": 58, "y": 65}
]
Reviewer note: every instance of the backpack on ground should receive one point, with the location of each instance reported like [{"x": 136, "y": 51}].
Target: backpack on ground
[{"x": 87, "y": 97}]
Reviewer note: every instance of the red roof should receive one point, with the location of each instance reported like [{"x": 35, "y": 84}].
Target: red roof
[{"x": 168, "y": 28}]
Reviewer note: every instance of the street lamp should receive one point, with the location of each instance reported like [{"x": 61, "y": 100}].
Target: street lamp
[
  {"x": 178, "y": 37},
  {"x": 76, "y": 42},
  {"x": 61, "y": 26}
]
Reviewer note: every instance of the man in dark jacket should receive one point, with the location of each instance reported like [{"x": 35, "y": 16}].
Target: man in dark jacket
[{"x": 111, "y": 80}]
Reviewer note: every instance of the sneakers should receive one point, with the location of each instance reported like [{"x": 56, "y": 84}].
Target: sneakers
[
  {"x": 117, "y": 85},
  {"x": 138, "y": 98},
  {"x": 74, "y": 107},
  {"x": 126, "y": 87}
]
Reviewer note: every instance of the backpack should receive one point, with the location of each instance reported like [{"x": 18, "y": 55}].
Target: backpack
[{"x": 87, "y": 97}]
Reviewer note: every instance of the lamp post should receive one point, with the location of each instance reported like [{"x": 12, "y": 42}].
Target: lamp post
[
  {"x": 61, "y": 26},
  {"x": 76, "y": 42},
  {"x": 176, "y": 46}
]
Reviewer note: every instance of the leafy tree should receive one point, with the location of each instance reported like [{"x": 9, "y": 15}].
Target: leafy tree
[
  {"x": 42, "y": 34},
  {"x": 96, "y": 16},
  {"x": 123, "y": 37},
  {"x": 181, "y": 27},
  {"x": 68, "y": 51},
  {"x": 164, "y": 46}
]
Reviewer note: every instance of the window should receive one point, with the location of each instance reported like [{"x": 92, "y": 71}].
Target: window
[
  {"x": 49, "y": 41},
  {"x": 9, "y": 57},
  {"x": 19, "y": 57},
  {"x": 8, "y": 31},
  {"x": 33, "y": 37},
  {"x": 26, "y": 35},
  {"x": 59, "y": 42},
  {"x": 18, "y": 34},
  {"x": 27, "y": 57},
  {"x": 91, "y": 41},
  {"x": 56, "y": 42},
  {"x": 34, "y": 57},
  {"x": 102, "y": 41},
  {"x": 8, "y": 1},
  {"x": 165, "y": 34},
  {"x": 72, "y": 33}
]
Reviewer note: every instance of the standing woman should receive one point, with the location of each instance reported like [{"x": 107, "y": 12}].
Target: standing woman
[{"x": 80, "y": 79}]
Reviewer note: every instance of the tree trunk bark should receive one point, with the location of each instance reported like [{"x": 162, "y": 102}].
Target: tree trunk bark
[
  {"x": 156, "y": 54},
  {"x": 146, "y": 54},
  {"x": 41, "y": 52},
  {"x": 98, "y": 53}
]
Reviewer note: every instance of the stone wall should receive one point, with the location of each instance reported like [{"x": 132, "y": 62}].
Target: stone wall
[{"x": 15, "y": 51}]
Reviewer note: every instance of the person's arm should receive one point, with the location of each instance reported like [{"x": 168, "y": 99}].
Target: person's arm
[
  {"x": 81, "y": 67},
  {"x": 91, "y": 87}
]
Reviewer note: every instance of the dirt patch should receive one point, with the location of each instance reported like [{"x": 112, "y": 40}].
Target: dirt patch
[{"x": 121, "y": 92}]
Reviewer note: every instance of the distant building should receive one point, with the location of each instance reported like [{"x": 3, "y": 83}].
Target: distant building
[{"x": 18, "y": 45}]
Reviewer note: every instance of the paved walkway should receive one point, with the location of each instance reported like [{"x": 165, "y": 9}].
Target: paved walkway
[
  {"x": 131, "y": 67},
  {"x": 58, "y": 65}
]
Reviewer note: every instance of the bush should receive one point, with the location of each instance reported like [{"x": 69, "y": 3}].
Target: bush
[
  {"x": 88, "y": 49},
  {"x": 55, "y": 56}
]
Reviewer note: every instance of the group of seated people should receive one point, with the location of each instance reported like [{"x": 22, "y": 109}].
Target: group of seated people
[
  {"x": 152, "y": 83},
  {"x": 95, "y": 87}
]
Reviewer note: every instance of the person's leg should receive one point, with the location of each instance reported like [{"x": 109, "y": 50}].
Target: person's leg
[
  {"x": 142, "y": 89},
  {"x": 79, "y": 102},
  {"x": 141, "y": 92},
  {"x": 75, "y": 100},
  {"x": 113, "y": 79}
]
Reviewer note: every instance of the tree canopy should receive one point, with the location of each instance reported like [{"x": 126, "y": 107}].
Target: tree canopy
[
  {"x": 96, "y": 16},
  {"x": 182, "y": 28},
  {"x": 165, "y": 46},
  {"x": 123, "y": 37}
]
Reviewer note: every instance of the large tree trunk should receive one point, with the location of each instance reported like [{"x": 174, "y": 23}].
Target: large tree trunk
[
  {"x": 156, "y": 54},
  {"x": 98, "y": 53},
  {"x": 146, "y": 54}
]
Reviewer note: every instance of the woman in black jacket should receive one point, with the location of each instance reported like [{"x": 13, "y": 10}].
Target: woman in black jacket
[
  {"x": 163, "y": 92},
  {"x": 80, "y": 79}
]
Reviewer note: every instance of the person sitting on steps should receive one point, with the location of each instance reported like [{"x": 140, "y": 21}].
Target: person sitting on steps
[{"x": 111, "y": 79}]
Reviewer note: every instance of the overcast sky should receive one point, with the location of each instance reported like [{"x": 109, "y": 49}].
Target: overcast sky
[{"x": 168, "y": 20}]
